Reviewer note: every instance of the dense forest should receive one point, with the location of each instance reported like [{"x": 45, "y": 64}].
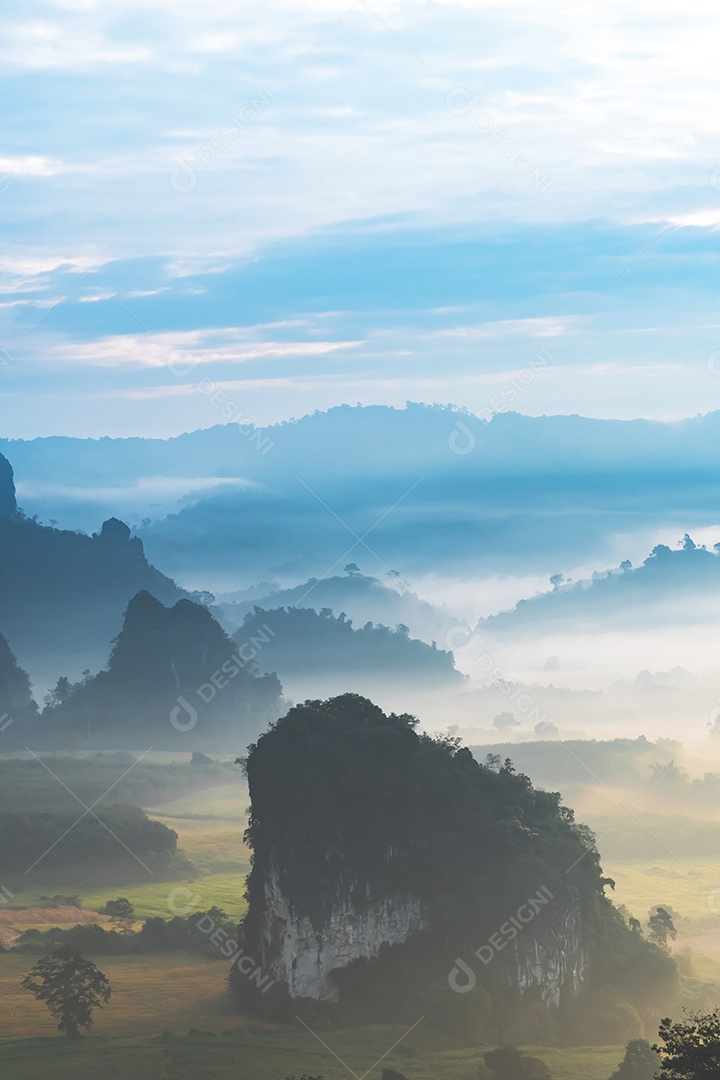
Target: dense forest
[
  {"x": 115, "y": 843},
  {"x": 301, "y": 641}
]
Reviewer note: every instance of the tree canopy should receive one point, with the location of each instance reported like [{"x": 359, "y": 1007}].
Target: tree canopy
[{"x": 71, "y": 986}]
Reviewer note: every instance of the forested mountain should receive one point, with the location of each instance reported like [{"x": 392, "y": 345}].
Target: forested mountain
[
  {"x": 362, "y": 597},
  {"x": 62, "y": 594},
  {"x": 304, "y": 642},
  {"x": 660, "y": 591},
  {"x": 174, "y": 679}
]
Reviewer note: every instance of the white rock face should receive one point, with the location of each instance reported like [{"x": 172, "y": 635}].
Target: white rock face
[
  {"x": 553, "y": 957},
  {"x": 303, "y": 957}
]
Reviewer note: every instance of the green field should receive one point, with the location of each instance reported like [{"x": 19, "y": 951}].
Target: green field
[{"x": 210, "y": 826}]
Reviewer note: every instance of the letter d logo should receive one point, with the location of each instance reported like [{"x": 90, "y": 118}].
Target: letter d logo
[
  {"x": 461, "y": 968},
  {"x": 183, "y": 707}
]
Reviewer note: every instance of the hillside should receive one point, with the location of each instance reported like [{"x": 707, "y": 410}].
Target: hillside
[
  {"x": 671, "y": 587},
  {"x": 300, "y": 641},
  {"x": 362, "y": 597}
]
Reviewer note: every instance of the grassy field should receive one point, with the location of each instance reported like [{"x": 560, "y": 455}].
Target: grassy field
[
  {"x": 163, "y": 990},
  {"x": 244, "y": 1056},
  {"x": 174, "y": 992},
  {"x": 691, "y": 887}
]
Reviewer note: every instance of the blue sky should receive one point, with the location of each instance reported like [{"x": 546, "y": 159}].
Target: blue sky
[{"x": 303, "y": 205}]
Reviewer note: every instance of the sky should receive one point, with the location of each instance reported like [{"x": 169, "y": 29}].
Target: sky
[{"x": 499, "y": 205}]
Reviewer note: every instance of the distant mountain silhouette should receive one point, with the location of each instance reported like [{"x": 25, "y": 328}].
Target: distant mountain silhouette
[
  {"x": 363, "y": 599},
  {"x": 62, "y": 594},
  {"x": 303, "y": 642},
  {"x": 658, "y": 591},
  {"x": 429, "y": 489},
  {"x": 174, "y": 679}
]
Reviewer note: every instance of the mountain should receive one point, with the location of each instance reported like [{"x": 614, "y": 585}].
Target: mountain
[
  {"x": 174, "y": 680},
  {"x": 394, "y": 876},
  {"x": 311, "y": 647},
  {"x": 362, "y": 597},
  {"x": 659, "y": 592},
  {"x": 62, "y": 594},
  {"x": 424, "y": 489}
]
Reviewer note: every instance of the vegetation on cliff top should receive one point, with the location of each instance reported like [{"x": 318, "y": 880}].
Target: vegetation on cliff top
[{"x": 354, "y": 806}]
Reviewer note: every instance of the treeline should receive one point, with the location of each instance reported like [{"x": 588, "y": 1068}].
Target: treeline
[
  {"x": 300, "y": 641},
  {"x": 190, "y": 932},
  {"x": 118, "y": 843},
  {"x": 116, "y": 778}
]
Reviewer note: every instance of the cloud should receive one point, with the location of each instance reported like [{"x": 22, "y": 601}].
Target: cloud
[
  {"x": 184, "y": 350},
  {"x": 29, "y": 165}
]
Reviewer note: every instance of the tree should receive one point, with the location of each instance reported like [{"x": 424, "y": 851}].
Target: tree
[
  {"x": 556, "y": 580},
  {"x": 641, "y": 1062},
  {"x": 60, "y": 693},
  {"x": 625, "y": 566},
  {"x": 687, "y": 543},
  {"x": 121, "y": 912},
  {"x": 70, "y": 986},
  {"x": 505, "y": 721},
  {"x": 692, "y": 1047},
  {"x": 352, "y": 569},
  {"x": 661, "y": 927},
  {"x": 510, "y": 1064}
]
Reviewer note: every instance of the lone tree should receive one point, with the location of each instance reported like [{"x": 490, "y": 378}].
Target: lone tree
[
  {"x": 352, "y": 569},
  {"x": 641, "y": 1062},
  {"x": 505, "y": 721},
  {"x": 122, "y": 913},
  {"x": 692, "y": 1047},
  {"x": 70, "y": 986},
  {"x": 661, "y": 927}
]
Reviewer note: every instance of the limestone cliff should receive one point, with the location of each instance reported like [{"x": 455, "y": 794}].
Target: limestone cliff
[
  {"x": 303, "y": 956},
  {"x": 380, "y": 850}
]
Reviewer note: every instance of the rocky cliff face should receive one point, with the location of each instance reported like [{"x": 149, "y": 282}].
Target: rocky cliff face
[
  {"x": 303, "y": 955},
  {"x": 367, "y": 836},
  {"x": 552, "y": 955}
]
